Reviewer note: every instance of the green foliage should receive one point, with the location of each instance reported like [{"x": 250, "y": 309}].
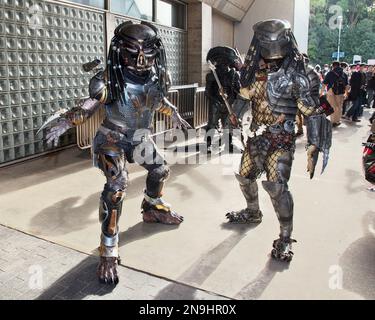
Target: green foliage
[{"x": 358, "y": 31}]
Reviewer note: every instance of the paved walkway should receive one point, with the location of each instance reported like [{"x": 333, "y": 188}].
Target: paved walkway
[
  {"x": 56, "y": 198},
  {"x": 32, "y": 268}
]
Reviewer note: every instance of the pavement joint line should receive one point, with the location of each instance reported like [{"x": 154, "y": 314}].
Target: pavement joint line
[{"x": 122, "y": 265}]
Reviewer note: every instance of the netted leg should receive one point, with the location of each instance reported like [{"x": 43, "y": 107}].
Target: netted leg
[
  {"x": 249, "y": 188},
  {"x": 112, "y": 162},
  {"x": 278, "y": 168},
  {"x": 271, "y": 166}
]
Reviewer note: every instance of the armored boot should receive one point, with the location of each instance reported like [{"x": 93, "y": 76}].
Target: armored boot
[
  {"x": 154, "y": 208},
  {"x": 109, "y": 214},
  {"x": 282, "y": 249},
  {"x": 282, "y": 201},
  {"x": 252, "y": 213}
]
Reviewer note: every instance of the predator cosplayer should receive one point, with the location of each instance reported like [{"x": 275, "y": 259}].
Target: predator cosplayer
[
  {"x": 278, "y": 83},
  {"x": 132, "y": 88},
  {"x": 225, "y": 62},
  {"x": 369, "y": 157}
]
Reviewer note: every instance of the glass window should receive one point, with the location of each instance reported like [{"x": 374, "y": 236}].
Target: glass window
[
  {"x": 93, "y": 3},
  {"x": 164, "y": 13},
  {"x": 170, "y": 13},
  {"x": 141, "y": 9}
]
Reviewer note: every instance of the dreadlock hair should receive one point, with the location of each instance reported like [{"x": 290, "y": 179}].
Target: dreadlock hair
[{"x": 251, "y": 65}]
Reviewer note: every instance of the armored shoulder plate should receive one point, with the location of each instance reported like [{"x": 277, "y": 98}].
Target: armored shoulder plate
[
  {"x": 314, "y": 81},
  {"x": 98, "y": 87},
  {"x": 279, "y": 92},
  {"x": 308, "y": 84}
]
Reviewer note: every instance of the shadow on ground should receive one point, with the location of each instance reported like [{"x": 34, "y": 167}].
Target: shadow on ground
[
  {"x": 43, "y": 169},
  {"x": 65, "y": 216},
  {"x": 78, "y": 283},
  {"x": 358, "y": 261},
  {"x": 204, "y": 266},
  {"x": 143, "y": 231},
  {"x": 255, "y": 288},
  {"x": 81, "y": 281}
]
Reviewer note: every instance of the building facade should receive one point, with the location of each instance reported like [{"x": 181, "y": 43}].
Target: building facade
[{"x": 43, "y": 45}]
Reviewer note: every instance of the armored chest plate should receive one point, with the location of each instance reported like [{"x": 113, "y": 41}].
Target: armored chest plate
[
  {"x": 279, "y": 93},
  {"x": 137, "y": 109}
]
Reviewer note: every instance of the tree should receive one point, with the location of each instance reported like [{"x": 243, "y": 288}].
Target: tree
[{"x": 358, "y": 36}]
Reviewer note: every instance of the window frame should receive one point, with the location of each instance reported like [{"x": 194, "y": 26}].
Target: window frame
[
  {"x": 171, "y": 2},
  {"x": 81, "y": 5},
  {"x": 154, "y": 12}
]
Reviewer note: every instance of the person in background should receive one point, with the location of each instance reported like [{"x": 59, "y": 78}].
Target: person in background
[
  {"x": 369, "y": 159},
  {"x": 325, "y": 70},
  {"x": 355, "y": 83},
  {"x": 370, "y": 87},
  {"x": 363, "y": 93},
  {"x": 353, "y": 68},
  {"x": 318, "y": 70},
  {"x": 227, "y": 62},
  {"x": 336, "y": 85},
  {"x": 346, "y": 69}
]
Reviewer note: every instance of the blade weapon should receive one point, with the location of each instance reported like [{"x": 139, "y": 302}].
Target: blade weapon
[
  {"x": 325, "y": 160},
  {"x": 52, "y": 118},
  {"x": 232, "y": 115},
  {"x": 239, "y": 56}
]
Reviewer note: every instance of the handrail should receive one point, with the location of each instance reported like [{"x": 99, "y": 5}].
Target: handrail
[{"x": 190, "y": 101}]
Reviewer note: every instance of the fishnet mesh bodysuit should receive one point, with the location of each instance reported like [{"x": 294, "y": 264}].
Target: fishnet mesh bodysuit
[{"x": 258, "y": 156}]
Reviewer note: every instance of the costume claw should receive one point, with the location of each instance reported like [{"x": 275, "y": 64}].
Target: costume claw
[
  {"x": 157, "y": 216},
  {"x": 245, "y": 216},
  {"x": 107, "y": 271},
  {"x": 160, "y": 213},
  {"x": 282, "y": 250}
]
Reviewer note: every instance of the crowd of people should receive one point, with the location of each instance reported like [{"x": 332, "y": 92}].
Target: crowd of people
[{"x": 349, "y": 89}]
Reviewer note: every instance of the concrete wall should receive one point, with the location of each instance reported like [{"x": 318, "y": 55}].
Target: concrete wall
[
  {"x": 199, "y": 26},
  {"x": 301, "y": 23},
  {"x": 295, "y": 11},
  {"x": 206, "y": 38},
  {"x": 222, "y": 30}
]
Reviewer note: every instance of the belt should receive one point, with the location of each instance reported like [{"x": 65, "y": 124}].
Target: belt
[
  {"x": 120, "y": 133},
  {"x": 287, "y": 126},
  {"x": 114, "y": 127}
]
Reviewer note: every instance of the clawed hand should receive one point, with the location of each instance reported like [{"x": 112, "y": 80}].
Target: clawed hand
[
  {"x": 56, "y": 131},
  {"x": 178, "y": 122}
]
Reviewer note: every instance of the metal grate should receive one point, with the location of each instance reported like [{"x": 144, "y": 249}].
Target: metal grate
[
  {"x": 42, "y": 48},
  {"x": 200, "y": 108}
]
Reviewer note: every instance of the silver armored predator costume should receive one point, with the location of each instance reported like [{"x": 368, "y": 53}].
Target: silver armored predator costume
[
  {"x": 132, "y": 88},
  {"x": 277, "y": 82}
]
